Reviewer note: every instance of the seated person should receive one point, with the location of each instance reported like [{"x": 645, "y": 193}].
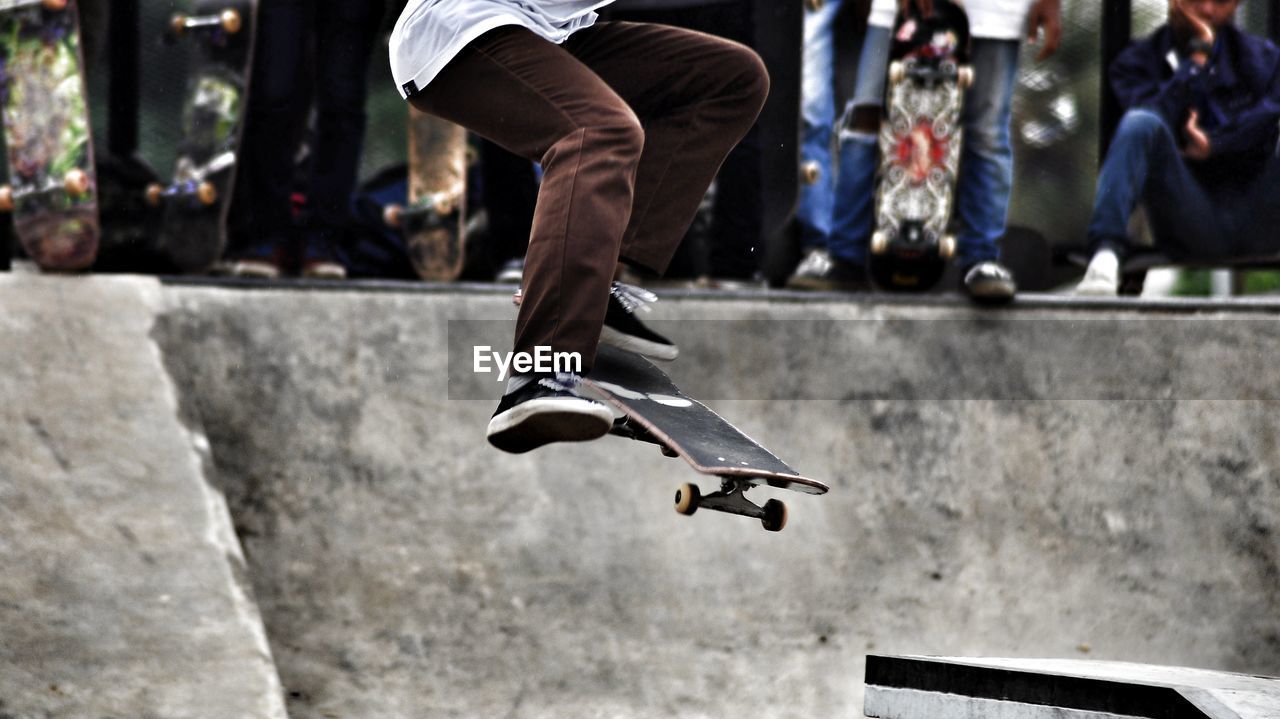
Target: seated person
[{"x": 1197, "y": 144}]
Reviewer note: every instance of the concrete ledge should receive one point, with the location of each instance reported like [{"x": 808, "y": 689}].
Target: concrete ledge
[
  {"x": 123, "y": 591},
  {"x": 959, "y": 688}
]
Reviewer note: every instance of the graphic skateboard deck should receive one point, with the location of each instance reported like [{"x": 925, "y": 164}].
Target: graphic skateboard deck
[
  {"x": 655, "y": 410},
  {"x": 433, "y": 220},
  {"x": 52, "y": 190},
  {"x": 920, "y": 148},
  {"x": 195, "y": 202}
]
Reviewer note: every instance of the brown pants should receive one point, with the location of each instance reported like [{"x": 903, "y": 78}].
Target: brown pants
[{"x": 630, "y": 122}]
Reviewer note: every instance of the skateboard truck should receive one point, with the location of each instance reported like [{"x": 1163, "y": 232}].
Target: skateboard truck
[
  {"x": 227, "y": 21},
  {"x": 75, "y": 184},
  {"x": 732, "y": 499}
]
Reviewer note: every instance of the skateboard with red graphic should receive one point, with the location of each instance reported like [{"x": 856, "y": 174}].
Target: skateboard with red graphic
[
  {"x": 653, "y": 409},
  {"x": 920, "y": 148},
  {"x": 52, "y": 189}
]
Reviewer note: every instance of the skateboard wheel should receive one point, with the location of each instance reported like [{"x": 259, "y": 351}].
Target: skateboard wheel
[
  {"x": 76, "y": 182},
  {"x": 879, "y": 242},
  {"x": 155, "y": 194},
  {"x": 810, "y": 173},
  {"x": 391, "y": 215},
  {"x": 178, "y": 24},
  {"x": 687, "y": 499},
  {"x": 965, "y": 77},
  {"x": 230, "y": 21},
  {"x": 207, "y": 193},
  {"x": 897, "y": 71},
  {"x": 775, "y": 516},
  {"x": 6, "y": 198},
  {"x": 947, "y": 247},
  {"x": 518, "y": 297},
  {"x": 55, "y": 4}
]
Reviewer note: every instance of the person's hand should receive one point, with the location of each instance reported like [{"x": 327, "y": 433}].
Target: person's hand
[
  {"x": 1046, "y": 16},
  {"x": 1188, "y": 24},
  {"x": 1198, "y": 147},
  {"x": 924, "y": 6}
]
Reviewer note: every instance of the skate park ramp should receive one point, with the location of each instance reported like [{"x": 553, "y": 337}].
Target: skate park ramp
[
  {"x": 950, "y": 688},
  {"x": 1083, "y": 481}
]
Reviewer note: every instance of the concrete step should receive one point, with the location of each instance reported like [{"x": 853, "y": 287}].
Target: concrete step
[
  {"x": 123, "y": 592},
  {"x": 910, "y": 687}
]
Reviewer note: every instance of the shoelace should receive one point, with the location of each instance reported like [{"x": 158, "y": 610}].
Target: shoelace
[
  {"x": 632, "y": 298},
  {"x": 562, "y": 382}
]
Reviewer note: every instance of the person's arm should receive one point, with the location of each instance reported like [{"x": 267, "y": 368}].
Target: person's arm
[
  {"x": 1138, "y": 81},
  {"x": 1249, "y": 130},
  {"x": 1045, "y": 15}
]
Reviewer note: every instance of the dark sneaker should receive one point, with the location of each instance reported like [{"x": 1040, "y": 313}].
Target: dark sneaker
[
  {"x": 622, "y": 329},
  {"x": 546, "y": 410},
  {"x": 989, "y": 282},
  {"x": 823, "y": 273},
  {"x": 264, "y": 260},
  {"x": 319, "y": 261}
]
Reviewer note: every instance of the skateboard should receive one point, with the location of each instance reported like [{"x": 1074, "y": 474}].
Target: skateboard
[
  {"x": 653, "y": 409},
  {"x": 194, "y": 204},
  {"x": 51, "y": 191},
  {"x": 920, "y": 148},
  {"x": 433, "y": 220}
]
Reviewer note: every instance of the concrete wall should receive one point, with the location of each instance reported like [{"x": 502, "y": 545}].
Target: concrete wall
[{"x": 1082, "y": 483}]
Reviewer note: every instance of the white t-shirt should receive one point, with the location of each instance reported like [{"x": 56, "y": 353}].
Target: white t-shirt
[
  {"x": 430, "y": 33},
  {"x": 992, "y": 19}
]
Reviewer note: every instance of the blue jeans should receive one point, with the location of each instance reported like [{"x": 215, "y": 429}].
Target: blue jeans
[
  {"x": 986, "y": 162},
  {"x": 818, "y": 115},
  {"x": 1188, "y": 218}
]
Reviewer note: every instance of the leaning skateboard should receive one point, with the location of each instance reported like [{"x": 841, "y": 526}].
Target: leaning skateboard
[
  {"x": 920, "y": 148},
  {"x": 195, "y": 201},
  {"x": 653, "y": 409},
  {"x": 52, "y": 191},
  {"x": 433, "y": 220}
]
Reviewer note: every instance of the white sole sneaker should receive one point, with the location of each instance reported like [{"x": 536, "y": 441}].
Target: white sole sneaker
[
  {"x": 531, "y": 424},
  {"x": 1096, "y": 285}
]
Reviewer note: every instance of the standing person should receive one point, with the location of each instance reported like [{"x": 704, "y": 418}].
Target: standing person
[
  {"x": 1197, "y": 143},
  {"x": 335, "y": 37},
  {"x": 630, "y": 122},
  {"x": 986, "y": 165},
  {"x": 735, "y": 243}
]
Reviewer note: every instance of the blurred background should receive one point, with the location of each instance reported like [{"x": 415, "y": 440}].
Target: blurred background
[{"x": 1058, "y": 120}]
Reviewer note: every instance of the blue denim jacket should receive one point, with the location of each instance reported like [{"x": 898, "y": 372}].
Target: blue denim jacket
[{"x": 1237, "y": 93}]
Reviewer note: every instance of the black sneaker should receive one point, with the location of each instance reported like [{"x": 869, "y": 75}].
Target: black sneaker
[
  {"x": 546, "y": 410},
  {"x": 622, "y": 329},
  {"x": 990, "y": 283},
  {"x": 823, "y": 273}
]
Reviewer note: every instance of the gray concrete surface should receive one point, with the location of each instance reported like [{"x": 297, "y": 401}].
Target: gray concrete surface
[
  {"x": 1096, "y": 481},
  {"x": 995, "y": 688},
  {"x": 123, "y": 590}
]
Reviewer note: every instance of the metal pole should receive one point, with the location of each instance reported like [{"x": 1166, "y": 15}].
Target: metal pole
[
  {"x": 1117, "y": 28},
  {"x": 122, "y": 119}
]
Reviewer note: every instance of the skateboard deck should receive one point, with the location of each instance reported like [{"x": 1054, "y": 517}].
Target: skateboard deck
[
  {"x": 52, "y": 190},
  {"x": 433, "y": 220},
  {"x": 920, "y": 149},
  {"x": 195, "y": 202},
  {"x": 653, "y": 409}
]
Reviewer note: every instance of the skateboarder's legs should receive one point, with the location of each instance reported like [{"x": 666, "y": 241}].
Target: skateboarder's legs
[{"x": 631, "y": 123}]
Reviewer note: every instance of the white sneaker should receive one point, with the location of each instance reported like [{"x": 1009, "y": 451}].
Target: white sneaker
[{"x": 1102, "y": 277}]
